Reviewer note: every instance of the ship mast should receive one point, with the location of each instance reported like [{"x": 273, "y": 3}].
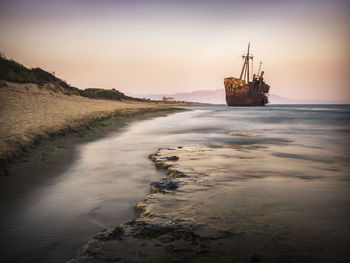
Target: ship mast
[
  {"x": 245, "y": 68},
  {"x": 259, "y": 68}
]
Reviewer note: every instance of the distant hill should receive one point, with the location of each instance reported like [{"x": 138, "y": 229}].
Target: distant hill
[
  {"x": 13, "y": 71},
  {"x": 218, "y": 97}
]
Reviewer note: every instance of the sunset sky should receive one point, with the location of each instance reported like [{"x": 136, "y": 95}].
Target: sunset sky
[{"x": 178, "y": 46}]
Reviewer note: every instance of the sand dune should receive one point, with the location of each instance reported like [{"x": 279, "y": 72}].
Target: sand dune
[{"x": 28, "y": 112}]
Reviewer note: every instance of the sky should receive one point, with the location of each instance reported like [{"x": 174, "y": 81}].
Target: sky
[{"x": 164, "y": 46}]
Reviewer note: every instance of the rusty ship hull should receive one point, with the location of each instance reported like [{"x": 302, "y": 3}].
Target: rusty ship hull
[
  {"x": 233, "y": 100},
  {"x": 240, "y": 94},
  {"x": 245, "y": 92}
]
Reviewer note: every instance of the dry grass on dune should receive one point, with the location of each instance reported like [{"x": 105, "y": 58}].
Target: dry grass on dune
[{"x": 27, "y": 111}]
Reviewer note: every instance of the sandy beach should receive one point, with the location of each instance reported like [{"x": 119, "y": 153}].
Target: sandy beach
[{"x": 29, "y": 113}]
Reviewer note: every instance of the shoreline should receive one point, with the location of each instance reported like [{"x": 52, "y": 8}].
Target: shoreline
[
  {"x": 59, "y": 145},
  {"x": 30, "y": 113},
  {"x": 198, "y": 210},
  {"x": 30, "y": 173}
]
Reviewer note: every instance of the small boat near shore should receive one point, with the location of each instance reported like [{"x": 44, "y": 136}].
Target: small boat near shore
[{"x": 243, "y": 92}]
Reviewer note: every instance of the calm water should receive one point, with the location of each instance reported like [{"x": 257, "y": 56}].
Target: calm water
[{"x": 101, "y": 187}]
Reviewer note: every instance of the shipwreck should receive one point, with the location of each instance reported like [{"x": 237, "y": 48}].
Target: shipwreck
[{"x": 245, "y": 92}]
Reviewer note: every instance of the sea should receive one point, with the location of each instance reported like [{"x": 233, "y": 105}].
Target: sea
[{"x": 287, "y": 166}]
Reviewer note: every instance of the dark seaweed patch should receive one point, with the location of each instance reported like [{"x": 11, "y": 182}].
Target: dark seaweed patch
[{"x": 164, "y": 185}]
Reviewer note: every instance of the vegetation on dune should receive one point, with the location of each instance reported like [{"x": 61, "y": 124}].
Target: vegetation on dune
[
  {"x": 112, "y": 94},
  {"x": 11, "y": 70}
]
